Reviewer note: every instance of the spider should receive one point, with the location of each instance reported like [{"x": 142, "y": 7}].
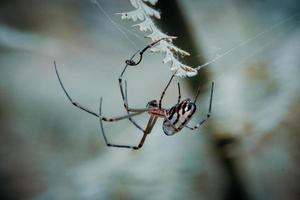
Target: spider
[{"x": 175, "y": 118}]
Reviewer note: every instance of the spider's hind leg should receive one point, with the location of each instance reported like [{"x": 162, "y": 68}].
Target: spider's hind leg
[{"x": 179, "y": 93}]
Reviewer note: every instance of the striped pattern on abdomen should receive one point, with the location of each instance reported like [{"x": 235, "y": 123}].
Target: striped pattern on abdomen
[{"x": 178, "y": 116}]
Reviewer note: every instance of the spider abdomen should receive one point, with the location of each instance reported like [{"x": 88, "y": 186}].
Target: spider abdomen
[{"x": 178, "y": 116}]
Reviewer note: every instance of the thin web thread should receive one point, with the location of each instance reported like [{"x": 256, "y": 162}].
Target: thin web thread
[
  {"x": 118, "y": 26},
  {"x": 268, "y": 44},
  {"x": 265, "y": 46},
  {"x": 248, "y": 40}
]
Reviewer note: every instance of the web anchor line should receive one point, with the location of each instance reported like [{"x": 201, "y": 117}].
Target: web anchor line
[{"x": 247, "y": 41}]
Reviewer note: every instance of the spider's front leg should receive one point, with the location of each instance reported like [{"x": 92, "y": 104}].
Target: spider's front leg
[
  {"x": 125, "y": 98},
  {"x": 76, "y": 104},
  {"x": 131, "y": 62},
  {"x": 164, "y": 91}
]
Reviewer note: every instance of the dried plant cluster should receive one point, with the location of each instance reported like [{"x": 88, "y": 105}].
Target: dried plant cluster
[{"x": 144, "y": 14}]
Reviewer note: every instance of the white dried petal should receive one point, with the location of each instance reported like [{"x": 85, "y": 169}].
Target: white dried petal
[
  {"x": 133, "y": 15},
  {"x": 161, "y": 47},
  {"x": 182, "y": 70},
  {"x": 152, "y": 2},
  {"x": 134, "y": 3},
  {"x": 186, "y": 71},
  {"x": 145, "y": 25},
  {"x": 168, "y": 57},
  {"x": 170, "y": 46},
  {"x": 156, "y": 34},
  {"x": 150, "y": 11},
  {"x": 178, "y": 50},
  {"x": 175, "y": 65},
  {"x": 157, "y": 50}
]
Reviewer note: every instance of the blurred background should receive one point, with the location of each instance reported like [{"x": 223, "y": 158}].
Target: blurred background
[{"x": 249, "y": 149}]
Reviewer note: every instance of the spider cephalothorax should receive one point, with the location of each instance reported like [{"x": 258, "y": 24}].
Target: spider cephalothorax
[
  {"x": 152, "y": 104},
  {"x": 175, "y": 118}
]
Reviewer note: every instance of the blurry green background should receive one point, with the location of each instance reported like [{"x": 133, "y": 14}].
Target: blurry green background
[{"x": 249, "y": 149}]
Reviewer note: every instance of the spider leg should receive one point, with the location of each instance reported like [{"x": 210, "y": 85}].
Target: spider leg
[
  {"x": 125, "y": 100},
  {"x": 129, "y": 109},
  {"x": 131, "y": 62},
  {"x": 124, "y": 94},
  {"x": 164, "y": 91},
  {"x": 147, "y": 130},
  {"x": 179, "y": 93},
  {"x": 209, "y": 109},
  {"x": 198, "y": 125},
  {"x": 114, "y": 119},
  {"x": 69, "y": 97}
]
